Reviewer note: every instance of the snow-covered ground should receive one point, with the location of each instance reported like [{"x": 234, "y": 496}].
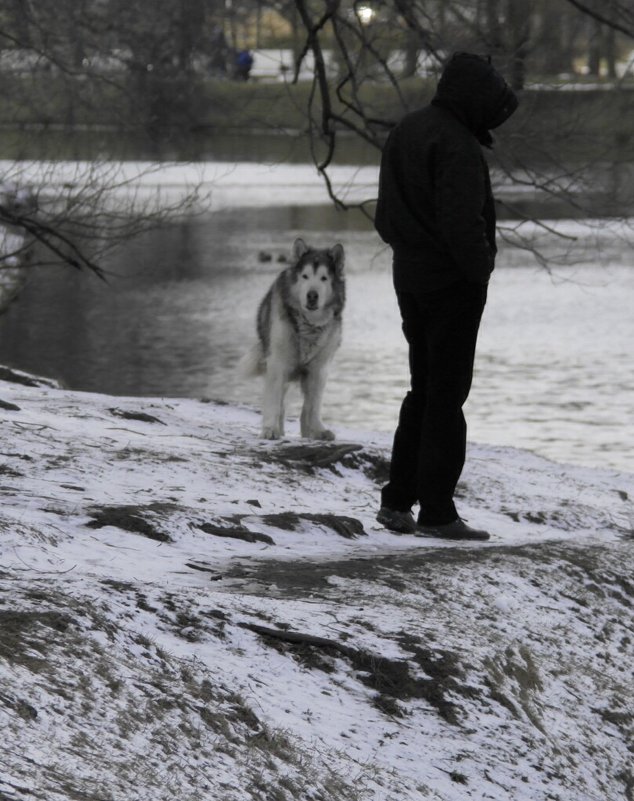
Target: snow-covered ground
[{"x": 188, "y": 612}]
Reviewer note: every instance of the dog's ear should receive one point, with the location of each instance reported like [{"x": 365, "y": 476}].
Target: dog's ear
[
  {"x": 337, "y": 256},
  {"x": 299, "y": 248}
]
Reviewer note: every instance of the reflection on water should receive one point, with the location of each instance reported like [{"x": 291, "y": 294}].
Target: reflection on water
[{"x": 554, "y": 369}]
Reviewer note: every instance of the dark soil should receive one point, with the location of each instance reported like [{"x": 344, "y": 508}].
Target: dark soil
[
  {"x": 392, "y": 679},
  {"x": 131, "y": 518}
]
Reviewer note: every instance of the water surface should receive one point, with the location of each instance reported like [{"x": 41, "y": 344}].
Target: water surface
[{"x": 554, "y": 366}]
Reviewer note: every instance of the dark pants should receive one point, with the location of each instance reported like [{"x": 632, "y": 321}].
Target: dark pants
[{"x": 441, "y": 328}]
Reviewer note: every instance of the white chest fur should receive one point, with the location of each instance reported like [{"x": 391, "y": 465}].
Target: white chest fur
[{"x": 315, "y": 341}]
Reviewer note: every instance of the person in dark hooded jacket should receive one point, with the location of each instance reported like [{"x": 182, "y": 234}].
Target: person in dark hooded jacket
[{"x": 436, "y": 210}]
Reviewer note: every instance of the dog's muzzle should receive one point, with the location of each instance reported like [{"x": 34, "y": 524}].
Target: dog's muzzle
[{"x": 312, "y": 300}]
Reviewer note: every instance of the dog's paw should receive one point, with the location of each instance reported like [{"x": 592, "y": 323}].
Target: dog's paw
[
  {"x": 323, "y": 433},
  {"x": 271, "y": 432}
]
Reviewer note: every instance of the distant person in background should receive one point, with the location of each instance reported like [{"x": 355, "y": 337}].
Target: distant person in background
[
  {"x": 244, "y": 62},
  {"x": 435, "y": 209}
]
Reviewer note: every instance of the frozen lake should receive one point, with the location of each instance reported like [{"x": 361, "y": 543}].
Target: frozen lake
[{"x": 554, "y": 367}]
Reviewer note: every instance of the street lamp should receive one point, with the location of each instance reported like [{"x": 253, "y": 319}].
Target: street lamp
[{"x": 365, "y": 14}]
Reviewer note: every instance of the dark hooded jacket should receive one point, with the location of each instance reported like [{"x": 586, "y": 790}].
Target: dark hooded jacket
[{"x": 435, "y": 206}]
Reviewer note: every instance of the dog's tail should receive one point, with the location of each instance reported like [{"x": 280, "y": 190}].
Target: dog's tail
[{"x": 253, "y": 362}]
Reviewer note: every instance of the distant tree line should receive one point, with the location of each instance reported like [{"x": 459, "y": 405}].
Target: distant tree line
[
  {"x": 543, "y": 37},
  {"x": 152, "y": 60},
  {"x": 157, "y": 54}
]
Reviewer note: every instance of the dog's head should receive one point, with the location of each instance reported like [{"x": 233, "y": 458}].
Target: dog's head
[{"x": 318, "y": 281}]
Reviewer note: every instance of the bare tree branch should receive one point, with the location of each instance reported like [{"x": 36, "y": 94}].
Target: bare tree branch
[
  {"x": 623, "y": 11},
  {"x": 365, "y": 53}
]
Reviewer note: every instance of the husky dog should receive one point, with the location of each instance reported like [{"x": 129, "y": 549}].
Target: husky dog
[{"x": 299, "y": 330}]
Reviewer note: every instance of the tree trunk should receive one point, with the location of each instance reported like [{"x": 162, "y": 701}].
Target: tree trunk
[
  {"x": 493, "y": 33},
  {"x": 412, "y": 48},
  {"x": 20, "y": 18},
  {"x": 518, "y": 16},
  {"x": 610, "y": 52},
  {"x": 594, "y": 47}
]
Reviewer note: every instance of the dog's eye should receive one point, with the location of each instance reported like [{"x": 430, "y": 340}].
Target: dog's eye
[
  {"x": 324, "y": 278},
  {"x": 305, "y": 277}
]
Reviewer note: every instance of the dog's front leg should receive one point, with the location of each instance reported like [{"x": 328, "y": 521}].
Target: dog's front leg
[
  {"x": 275, "y": 384},
  {"x": 313, "y": 384}
]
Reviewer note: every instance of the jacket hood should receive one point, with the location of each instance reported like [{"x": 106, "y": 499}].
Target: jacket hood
[{"x": 475, "y": 92}]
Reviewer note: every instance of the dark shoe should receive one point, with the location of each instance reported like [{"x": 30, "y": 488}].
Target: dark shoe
[
  {"x": 458, "y": 530},
  {"x": 401, "y": 522}
]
